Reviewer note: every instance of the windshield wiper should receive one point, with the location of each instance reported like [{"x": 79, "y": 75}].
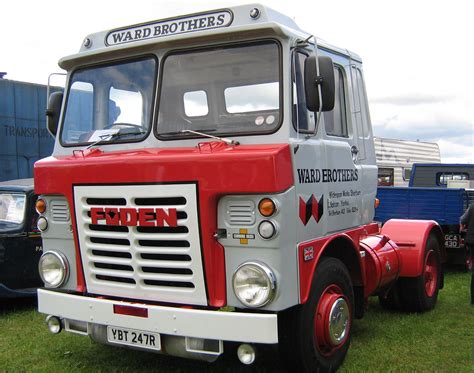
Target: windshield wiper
[
  {"x": 133, "y": 131},
  {"x": 227, "y": 141}
]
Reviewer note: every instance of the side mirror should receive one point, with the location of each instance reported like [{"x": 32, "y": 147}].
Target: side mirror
[
  {"x": 52, "y": 112},
  {"x": 325, "y": 79}
]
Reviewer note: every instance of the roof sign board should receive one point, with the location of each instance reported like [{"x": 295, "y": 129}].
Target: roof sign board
[{"x": 175, "y": 26}]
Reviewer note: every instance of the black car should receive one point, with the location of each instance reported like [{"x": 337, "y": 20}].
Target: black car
[{"x": 20, "y": 240}]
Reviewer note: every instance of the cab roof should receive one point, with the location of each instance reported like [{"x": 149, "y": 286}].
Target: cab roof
[{"x": 234, "y": 20}]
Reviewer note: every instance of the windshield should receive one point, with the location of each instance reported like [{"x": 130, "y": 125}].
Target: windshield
[
  {"x": 224, "y": 91},
  {"x": 103, "y": 100}
]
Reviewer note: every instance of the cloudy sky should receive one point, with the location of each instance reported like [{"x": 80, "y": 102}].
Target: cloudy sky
[{"x": 417, "y": 53}]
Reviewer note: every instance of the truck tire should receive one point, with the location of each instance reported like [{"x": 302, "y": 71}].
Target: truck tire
[
  {"x": 315, "y": 336},
  {"x": 419, "y": 294}
]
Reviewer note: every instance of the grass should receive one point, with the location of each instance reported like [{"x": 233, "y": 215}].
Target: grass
[{"x": 439, "y": 341}]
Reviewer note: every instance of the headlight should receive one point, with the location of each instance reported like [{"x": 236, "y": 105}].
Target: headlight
[
  {"x": 12, "y": 207},
  {"x": 53, "y": 269},
  {"x": 254, "y": 284}
]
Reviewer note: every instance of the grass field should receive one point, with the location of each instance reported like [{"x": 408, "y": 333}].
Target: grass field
[{"x": 438, "y": 341}]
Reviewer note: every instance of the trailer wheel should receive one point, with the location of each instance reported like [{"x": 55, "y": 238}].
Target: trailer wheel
[
  {"x": 420, "y": 294},
  {"x": 315, "y": 336}
]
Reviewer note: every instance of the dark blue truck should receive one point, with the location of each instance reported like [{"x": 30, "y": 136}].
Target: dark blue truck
[
  {"x": 23, "y": 135},
  {"x": 433, "y": 194}
]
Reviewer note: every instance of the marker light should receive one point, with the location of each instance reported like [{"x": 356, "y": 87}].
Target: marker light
[
  {"x": 42, "y": 223},
  {"x": 255, "y": 13},
  {"x": 266, "y": 207},
  {"x": 377, "y": 203},
  {"x": 40, "y": 206},
  {"x": 266, "y": 229}
]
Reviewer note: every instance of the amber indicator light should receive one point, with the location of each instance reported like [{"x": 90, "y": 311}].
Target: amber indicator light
[
  {"x": 266, "y": 207},
  {"x": 40, "y": 206}
]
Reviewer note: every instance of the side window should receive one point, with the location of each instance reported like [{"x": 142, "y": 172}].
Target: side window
[
  {"x": 385, "y": 177},
  {"x": 335, "y": 120},
  {"x": 195, "y": 104},
  {"x": 80, "y": 111},
  {"x": 443, "y": 177},
  {"x": 303, "y": 119},
  {"x": 363, "y": 104},
  {"x": 258, "y": 97},
  {"x": 406, "y": 174}
]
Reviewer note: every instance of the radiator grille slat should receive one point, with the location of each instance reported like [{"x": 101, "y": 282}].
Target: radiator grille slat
[
  {"x": 241, "y": 213},
  {"x": 159, "y": 262},
  {"x": 60, "y": 210}
]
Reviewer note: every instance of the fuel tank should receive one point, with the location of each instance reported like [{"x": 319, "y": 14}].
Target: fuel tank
[{"x": 382, "y": 262}]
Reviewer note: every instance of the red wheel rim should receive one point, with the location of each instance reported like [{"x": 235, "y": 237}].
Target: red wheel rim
[
  {"x": 332, "y": 320},
  {"x": 431, "y": 274}
]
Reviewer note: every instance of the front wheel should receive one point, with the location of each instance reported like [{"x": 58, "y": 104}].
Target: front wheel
[{"x": 315, "y": 336}]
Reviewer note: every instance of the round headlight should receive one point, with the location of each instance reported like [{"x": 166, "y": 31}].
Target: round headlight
[
  {"x": 53, "y": 269},
  {"x": 254, "y": 284},
  {"x": 266, "y": 229}
]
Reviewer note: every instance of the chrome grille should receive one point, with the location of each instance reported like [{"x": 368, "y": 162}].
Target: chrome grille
[
  {"x": 241, "y": 213},
  {"x": 161, "y": 263}
]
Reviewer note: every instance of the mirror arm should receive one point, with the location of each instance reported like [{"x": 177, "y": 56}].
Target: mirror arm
[{"x": 318, "y": 82}]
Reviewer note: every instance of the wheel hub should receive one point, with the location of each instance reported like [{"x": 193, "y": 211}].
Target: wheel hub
[
  {"x": 430, "y": 274},
  {"x": 331, "y": 320},
  {"x": 338, "y": 320}
]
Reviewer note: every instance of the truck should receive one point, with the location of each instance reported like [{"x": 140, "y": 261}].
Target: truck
[
  {"x": 441, "y": 192},
  {"x": 395, "y": 159},
  {"x": 213, "y": 182},
  {"x": 23, "y": 135},
  {"x": 20, "y": 240}
]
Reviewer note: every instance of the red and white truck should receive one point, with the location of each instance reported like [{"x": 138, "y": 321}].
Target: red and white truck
[{"x": 214, "y": 179}]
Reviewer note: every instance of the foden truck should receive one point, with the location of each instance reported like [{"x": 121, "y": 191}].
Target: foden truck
[{"x": 213, "y": 180}]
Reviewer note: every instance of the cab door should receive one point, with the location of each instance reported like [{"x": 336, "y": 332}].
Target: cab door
[
  {"x": 343, "y": 149},
  {"x": 326, "y": 171}
]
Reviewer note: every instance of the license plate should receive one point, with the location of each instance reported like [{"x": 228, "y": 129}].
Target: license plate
[
  {"x": 452, "y": 240},
  {"x": 132, "y": 337}
]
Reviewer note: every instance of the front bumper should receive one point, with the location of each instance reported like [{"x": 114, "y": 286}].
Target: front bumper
[{"x": 223, "y": 326}]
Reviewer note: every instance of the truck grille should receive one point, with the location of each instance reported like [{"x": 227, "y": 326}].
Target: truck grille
[{"x": 156, "y": 262}]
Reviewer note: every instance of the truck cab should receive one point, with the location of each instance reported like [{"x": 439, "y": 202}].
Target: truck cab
[{"x": 221, "y": 161}]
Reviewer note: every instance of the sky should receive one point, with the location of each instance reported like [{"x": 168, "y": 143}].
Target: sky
[{"x": 417, "y": 54}]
